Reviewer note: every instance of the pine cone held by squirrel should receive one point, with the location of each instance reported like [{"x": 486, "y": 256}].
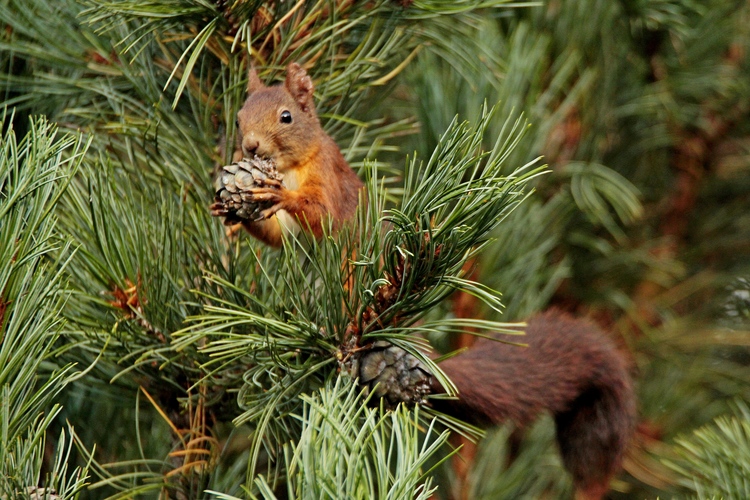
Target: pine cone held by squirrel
[{"x": 234, "y": 199}]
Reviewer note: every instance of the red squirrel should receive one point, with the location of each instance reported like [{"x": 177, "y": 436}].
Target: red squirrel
[
  {"x": 569, "y": 368},
  {"x": 280, "y": 122}
]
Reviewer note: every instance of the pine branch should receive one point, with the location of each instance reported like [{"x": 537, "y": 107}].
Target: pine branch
[
  {"x": 34, "y": 173},
  {"x": 612, "y": 88},
  {"x": 315, "y": 311},
  {"x": 506, "y": 469},
  {"x": 715, "y": 459},
  {"x": 348, "y": 450}
]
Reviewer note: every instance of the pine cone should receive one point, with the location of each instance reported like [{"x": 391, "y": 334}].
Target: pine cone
[
  {"x": 393, "y": 374},
  {"x": 233, "y": 199}
]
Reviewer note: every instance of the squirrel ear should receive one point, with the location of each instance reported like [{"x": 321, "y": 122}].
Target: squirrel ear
[
  {"x": 300, "y": 85},
  {"x": 253, "y": 82}
]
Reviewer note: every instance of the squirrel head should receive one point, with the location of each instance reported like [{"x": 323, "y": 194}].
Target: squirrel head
[{"x": 279, "y": 122}]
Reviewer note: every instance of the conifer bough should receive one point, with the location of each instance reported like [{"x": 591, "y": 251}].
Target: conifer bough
[{"x": 234, "y": 199}]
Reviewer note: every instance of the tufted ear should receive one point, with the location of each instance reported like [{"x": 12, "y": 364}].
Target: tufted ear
[
  {"x": 253, "y": 82},
  {"x": 299, "y": 84}
]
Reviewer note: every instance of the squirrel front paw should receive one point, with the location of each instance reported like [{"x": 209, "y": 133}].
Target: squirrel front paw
[
  {"x": 271, "y": 195},
  {"x": 259, "y": 195},
  {"x": 248, "y": 190},
  {"x": 275, "y": 195}
]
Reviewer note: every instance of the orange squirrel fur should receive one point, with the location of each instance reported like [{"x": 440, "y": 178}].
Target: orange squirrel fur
[
  {"x": 280, "y": 122},
  {"x": 571, "y": 369}
]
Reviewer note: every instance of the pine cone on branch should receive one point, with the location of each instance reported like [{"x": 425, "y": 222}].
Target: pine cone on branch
[
  {"x": 392, "y": 373},
  {"x": 234, "y": 199}
]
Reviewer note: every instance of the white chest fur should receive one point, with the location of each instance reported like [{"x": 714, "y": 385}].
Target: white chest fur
[
  {"x": 290, "y": 180},
  {"x": 287, "y": 222}
]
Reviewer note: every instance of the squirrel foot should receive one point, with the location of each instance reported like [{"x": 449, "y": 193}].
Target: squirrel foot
[
  {"x": 232, "y": 229},
  {"x": 270, "y": 211}
]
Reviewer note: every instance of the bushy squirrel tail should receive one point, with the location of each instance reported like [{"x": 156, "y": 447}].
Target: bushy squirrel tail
[
  {"x": 593, "y": 434},
  {"x": 570, "y": 369}
]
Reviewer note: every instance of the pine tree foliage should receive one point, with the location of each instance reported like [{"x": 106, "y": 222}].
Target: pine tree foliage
[
  {"x": 347, "y": 450},
  {"x": 212, "y": 350},
  {"x": 715, "y": 459},
  {"x": 264, "y": 328},
  {"x": 34, "y": 172},
  {"x": 629, "y": 100},
  {"x": 521, "y": 76},
  {"x": 418, "y": 250},
  {"x": 536, "y": 471}
]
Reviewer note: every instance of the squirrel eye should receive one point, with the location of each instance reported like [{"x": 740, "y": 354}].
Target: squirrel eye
[
  {"x": 237, "y": 123},
  {"x": 286, "y": 117}
]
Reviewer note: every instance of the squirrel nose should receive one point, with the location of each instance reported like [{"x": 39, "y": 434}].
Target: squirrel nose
[{"x": 250, "y": 146}]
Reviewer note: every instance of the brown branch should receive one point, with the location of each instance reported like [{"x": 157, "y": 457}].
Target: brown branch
[{"x": 130, "y": 302}]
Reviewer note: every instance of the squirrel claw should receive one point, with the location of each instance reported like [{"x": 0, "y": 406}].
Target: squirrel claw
[
  {"x": 218, "y": 209},
  {"x": 271, "y": 182},
  {"x": 265, "y": 194}
]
